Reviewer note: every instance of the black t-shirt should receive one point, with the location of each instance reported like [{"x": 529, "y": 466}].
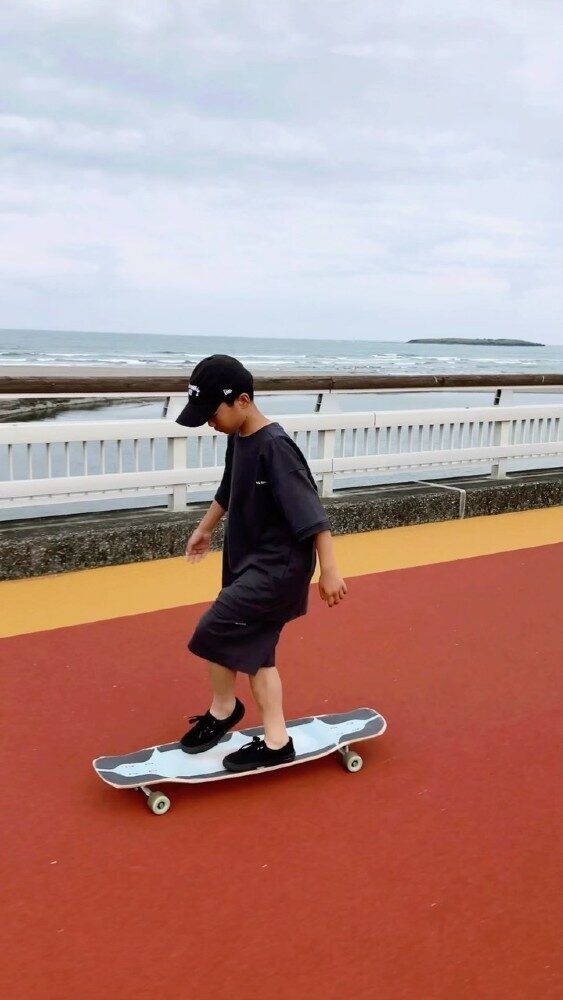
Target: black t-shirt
[{"x": 274, "y": 512}]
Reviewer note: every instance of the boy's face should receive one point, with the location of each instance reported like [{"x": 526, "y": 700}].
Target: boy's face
[{"x": 227, "y": 419}]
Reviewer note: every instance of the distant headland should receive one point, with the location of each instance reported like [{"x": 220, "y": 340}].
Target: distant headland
[{"x": 477, "y": 340}]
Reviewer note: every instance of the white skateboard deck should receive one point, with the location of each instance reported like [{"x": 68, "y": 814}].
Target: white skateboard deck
[{"x": 314, "y": 736}]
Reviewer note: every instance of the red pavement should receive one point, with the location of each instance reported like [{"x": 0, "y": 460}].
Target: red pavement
[{"x": 435, "y": 873}]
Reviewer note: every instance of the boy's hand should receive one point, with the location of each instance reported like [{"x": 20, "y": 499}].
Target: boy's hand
[
  {"x": 332, "y": 587},
  {"x": 198, "y": 545}
]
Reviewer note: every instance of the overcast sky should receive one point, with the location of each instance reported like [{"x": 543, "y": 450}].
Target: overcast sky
[{"x": 340, "y": 168}]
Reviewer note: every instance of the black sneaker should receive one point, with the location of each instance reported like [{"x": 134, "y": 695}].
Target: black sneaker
[
  {"x": 208, "y": 730},
  {"x": 257, "y": 754}
]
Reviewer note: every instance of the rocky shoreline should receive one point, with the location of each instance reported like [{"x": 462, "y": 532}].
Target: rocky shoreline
[{"x": 21, "y": 410}]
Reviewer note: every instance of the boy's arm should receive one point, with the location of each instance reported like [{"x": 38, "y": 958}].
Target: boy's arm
[
  {"x": 211, "y": 518},
  {"x": 331, "y": 585},
  {"x": 325, "y": 550},
  {"x": 199, "y": 541}
]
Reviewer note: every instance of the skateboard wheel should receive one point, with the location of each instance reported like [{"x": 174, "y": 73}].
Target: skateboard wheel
[
  {"x": 158, "y": 803},
  {"x": 352, "y": 762}
]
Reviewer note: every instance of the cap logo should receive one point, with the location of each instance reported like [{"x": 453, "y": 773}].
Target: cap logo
[
  {"x": 227, "y": 392},
  {"x": 193, "y": 390}
]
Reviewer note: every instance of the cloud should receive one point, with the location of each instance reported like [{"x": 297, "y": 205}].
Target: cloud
[{"x": 220, "y": 162}]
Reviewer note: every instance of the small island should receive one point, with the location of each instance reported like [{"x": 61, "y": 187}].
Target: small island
[{"x": 477, "y": 340}]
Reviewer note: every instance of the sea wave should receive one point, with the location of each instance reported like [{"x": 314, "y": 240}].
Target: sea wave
[{"x": 392, "y": 362}]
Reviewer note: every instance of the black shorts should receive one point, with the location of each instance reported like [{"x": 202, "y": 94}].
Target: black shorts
[{"x": 237, "y": 643}]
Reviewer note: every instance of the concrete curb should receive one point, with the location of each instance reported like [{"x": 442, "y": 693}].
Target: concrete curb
[{"x": 84, "y": 541}]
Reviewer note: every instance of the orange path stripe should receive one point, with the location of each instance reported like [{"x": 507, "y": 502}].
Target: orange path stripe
[{"x": 111, "y": 592}]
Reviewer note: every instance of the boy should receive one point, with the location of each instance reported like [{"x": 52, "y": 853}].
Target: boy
[{"x": 276, "y": 525}]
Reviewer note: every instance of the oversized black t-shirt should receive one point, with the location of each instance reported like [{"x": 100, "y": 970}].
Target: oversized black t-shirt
[{"x": 274, "y": 512}]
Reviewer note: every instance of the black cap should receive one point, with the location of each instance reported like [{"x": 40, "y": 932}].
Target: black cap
[{"x": 213, "y": 381}]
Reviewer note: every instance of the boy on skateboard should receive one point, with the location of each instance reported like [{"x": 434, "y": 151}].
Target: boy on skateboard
[{"x": 276, "y": 527}]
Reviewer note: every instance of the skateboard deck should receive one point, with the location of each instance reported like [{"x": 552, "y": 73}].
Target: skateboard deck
[{"x": 314, "y": 736}]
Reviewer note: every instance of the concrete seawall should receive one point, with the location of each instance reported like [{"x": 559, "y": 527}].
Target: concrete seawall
[{"x": 83, "y": 541}]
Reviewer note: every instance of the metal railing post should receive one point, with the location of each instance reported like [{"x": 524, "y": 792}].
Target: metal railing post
[
  {"x": 329, "y": 403},
  {"x": 504, "y": 397},
  {"x": 326, "y": 450},
  {"x": 177, "y": 460},
  {"x": 173, "y": 406}
]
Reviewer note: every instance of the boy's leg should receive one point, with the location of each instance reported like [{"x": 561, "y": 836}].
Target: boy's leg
[
  {"x": 267, "y": 690},
  {"x": 225, "y": 712},
  {"x": 223, "y": 683}
]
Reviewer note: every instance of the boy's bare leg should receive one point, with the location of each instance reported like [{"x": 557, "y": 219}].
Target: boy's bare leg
[
  {"x": 267, "y": 690},
  {"x": 223, "y": 682}
]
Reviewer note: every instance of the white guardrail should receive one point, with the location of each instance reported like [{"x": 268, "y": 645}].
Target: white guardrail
[{"x": 46, "y": 463}]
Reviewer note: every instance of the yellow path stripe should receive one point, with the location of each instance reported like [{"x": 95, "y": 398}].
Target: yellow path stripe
[{"x": 49, "y": 602}]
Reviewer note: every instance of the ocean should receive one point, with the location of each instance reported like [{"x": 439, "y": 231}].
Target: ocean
[{"x": 135, "y": 351}]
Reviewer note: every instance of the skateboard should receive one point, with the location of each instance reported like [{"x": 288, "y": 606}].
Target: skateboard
[{"x": 314, "y": 736}]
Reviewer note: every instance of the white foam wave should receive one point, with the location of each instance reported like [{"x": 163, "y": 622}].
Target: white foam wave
[{"x": 392, "y": 362}]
